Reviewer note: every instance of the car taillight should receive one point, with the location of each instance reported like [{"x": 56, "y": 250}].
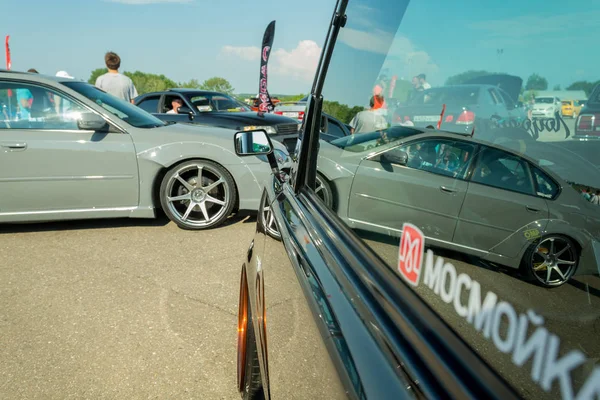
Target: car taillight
[
  {"x": 466, "y": 117},
  {"x": 300, "y": 115},
  {"x": 589, "y": 123},
  {"x": 278, "y": 112},
  {"x": 449, "y": 118}
]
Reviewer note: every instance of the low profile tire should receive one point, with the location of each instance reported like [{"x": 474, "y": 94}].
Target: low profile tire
[
  {"x": 324, "y": 191},
  {"x": 197, "y": 194},
  {"x": 248, "y": 367},
  {"x": 551, "y": 262},
  {"x": 266, "y": 219}
]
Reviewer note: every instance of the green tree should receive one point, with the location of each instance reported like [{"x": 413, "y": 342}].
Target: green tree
[
  {"x": 96, "y": 73},
  {"x": 465, "y": 76},
  {"x": 341, "y": 111},
  {"x": 295, "y": 97},
  {"x": 144, "y": 82},
  {"x": 583, "y": 85},
  {"x": 217, "y": 84},
  {"x": 556, "y": 87},
  {"x": 536, "y": 82},
  {"x": 192, "y": 84}
]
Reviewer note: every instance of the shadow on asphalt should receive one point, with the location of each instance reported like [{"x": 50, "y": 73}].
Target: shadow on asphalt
[{"x": 161, "y": 220}]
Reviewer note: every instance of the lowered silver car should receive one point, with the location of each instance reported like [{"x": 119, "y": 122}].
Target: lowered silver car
[
  {"x": 71, "y": 151},
  {"x": 470, "y": 196}
]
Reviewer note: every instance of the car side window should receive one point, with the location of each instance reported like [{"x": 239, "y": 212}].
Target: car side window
[
  {"x": 36, "y": 107},
  {"x": 150, "y": 104},
  {"x": 334, "y": 129},
  {"x": 510, "y": 104},
  {"x": 545, "y": 187},
  {"x": 502, "y": 170},
  {"x": 168, "y": 102},
  {"x": 439, "y": 156},
  {"x": 201, "y": 103}
]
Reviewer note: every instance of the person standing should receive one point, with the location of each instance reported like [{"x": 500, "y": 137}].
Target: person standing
[
  {"x": 368, "y": 120},
  {"x": 114, "y": 82},
  {"x": 423, "y": 81}
]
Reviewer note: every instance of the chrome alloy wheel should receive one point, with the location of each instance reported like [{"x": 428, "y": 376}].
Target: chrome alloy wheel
[
  {"x": 553, "y": 261},
  {"x": 197, "y": 195}
]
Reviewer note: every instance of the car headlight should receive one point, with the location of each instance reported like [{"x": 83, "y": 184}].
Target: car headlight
[{"x": 269, "y": 129}]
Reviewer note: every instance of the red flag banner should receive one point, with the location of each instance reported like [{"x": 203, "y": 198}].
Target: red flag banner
[
  {"x": 8, "y": 63},
  {"x": 265, "y": 103}
]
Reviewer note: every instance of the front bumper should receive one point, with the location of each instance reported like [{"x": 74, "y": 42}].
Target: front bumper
[{"x": 542, "y": 114}]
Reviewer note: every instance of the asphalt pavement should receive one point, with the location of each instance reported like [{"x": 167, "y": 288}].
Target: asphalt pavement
[{"x": 119, "y": 309}]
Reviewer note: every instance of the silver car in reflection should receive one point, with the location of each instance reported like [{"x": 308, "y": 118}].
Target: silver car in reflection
[
  {"x": 470, "y": 196},
  {"x": 71, "y": 151}
]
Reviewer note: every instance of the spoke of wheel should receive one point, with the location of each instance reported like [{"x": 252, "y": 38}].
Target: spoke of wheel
[
  {"x": 187, "y": 196},
  {"x": 215, "y": 201},
  {"x": 213, "y": 185},
  {"x": 540, "y": 267},
  {"x": 565, "y": 262},
  {"x": 551, "y": 251},
  {"x": 560, "y": 273},
  {"x": 318, "y": 189},
  {"x": 189, "y": 210},
  {"x": 548, "y": 275},
  {"x": 271, "y": 220},
  {"x": 539, "y": 253},
  {"x": 200, "y": 168},
  {"x": 184, "y": 183},
  {"x": 204, "y": 211},
  {"x": 567, "y": 247}
]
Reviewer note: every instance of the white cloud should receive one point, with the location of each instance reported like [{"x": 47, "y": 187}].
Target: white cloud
[
  {"x": 250, "y": 53},
  {"x": 138, "y": 2},
  {"x": 377, "y": 41},
  {"x": 299, "y": 63}
]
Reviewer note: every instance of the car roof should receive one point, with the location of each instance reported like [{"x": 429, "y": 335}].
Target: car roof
[{"x": 35, "y": 77}]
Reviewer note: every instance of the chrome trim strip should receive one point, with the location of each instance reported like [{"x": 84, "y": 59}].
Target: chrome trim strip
[
  {"x": 66, "y": 178},
  {"x": 82, "y": 210}
]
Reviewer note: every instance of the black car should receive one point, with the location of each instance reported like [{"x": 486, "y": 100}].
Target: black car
[
  {"x": 356, "y": 300},
  {"x": 588, "y": 122},
  {"x": 217, "y": 109}
]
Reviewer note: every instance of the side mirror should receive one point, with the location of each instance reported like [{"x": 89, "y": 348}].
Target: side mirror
[
  {"x": 91, "y": 122},
  {"x": 252, "y": 143},
  {"x": 186, "y": 110},
  {"x": 395, "y": 157}
]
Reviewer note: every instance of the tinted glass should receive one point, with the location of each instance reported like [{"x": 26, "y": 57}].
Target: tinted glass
[
  {"x": 510, "y": 221},
  {"x": 121, "y": 109},
  {"x": 31, "y": 106},
  {"x": 150, "y": 104},
  {"x": 334, "y": 129}
]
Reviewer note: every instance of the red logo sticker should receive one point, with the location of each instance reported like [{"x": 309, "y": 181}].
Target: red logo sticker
[{"x": 410, "y": 255}]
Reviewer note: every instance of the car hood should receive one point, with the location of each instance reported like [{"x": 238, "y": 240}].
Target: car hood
[
  {"x": 509, "y": 83},
  {"x": 241, "y": 119}
]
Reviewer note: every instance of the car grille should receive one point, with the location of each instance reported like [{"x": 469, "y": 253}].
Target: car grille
[{"x": 287, "y": 129}]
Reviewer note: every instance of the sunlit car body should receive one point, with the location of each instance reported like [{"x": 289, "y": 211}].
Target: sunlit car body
[
  {"x": 104, "y": 158},
  {"x": 588, "y": 122},
  {"x": 220, "y": 110},
  {"x": 568, "y": 108},
  {"x": 546, "y": 107},
  {"x": 483, "y": 206}
]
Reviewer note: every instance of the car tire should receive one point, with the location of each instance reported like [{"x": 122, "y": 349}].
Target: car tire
[
  {"x": 198, "y": 194},
  {"x": 324, "y": 190},
  {"x": 550, "y": 261},
  {"x": 248, "y": 373},
  {"x": 266, "y": 219}
]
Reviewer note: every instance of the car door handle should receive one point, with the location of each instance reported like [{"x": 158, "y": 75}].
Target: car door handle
[
  {"x": 13, "y": 146},
  {"x": 447, "y": 189},
  {"x": 533, "y": 209}
]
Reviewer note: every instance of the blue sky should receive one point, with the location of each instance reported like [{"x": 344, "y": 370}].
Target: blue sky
[
  {"x": 187, "y": 39},
  {"x": 181, "y": 39}
]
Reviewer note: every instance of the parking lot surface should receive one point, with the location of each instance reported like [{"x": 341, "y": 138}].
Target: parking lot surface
[{"x": 119, "y": 309}]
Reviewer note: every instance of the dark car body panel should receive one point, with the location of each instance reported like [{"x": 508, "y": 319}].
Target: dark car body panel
[
  {"x": 591, "y": 107},
  {"x": 287, "y": 128},
  {"x": 511, "y": 84}
]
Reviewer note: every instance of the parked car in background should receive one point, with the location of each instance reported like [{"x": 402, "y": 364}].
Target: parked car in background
[
  {"x": 87, "y": 154},
  {"x": 292, "y": 109},
  {"x": 219, "y": 110},
  {"x": 546, "y": 107},
  {"x": 588, "y": 122},
  {"x": 568, "y": 108},
  {"x": 478, "y": 104},
  {"x": 254, "y": 102}
]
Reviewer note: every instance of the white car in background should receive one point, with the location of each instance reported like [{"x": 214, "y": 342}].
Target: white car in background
[
  {"x": 546, "y": 107},
  {"x": 292, "y": 109}
]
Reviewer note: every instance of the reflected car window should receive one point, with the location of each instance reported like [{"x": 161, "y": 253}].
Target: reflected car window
[{"x": 478, "y": 159}]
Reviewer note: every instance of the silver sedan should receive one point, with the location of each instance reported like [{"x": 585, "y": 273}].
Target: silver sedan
[{"x": 71, "y": 151}]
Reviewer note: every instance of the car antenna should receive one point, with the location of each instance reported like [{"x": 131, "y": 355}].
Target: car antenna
[{"x": 439, "y": 124}]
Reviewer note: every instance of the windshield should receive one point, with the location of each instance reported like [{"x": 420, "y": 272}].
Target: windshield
[
  {"x": 123, "y": 110},
  {"x": 544, "y": 100},
  {"x": 476, "y": 203},
  {"x": 210, "y": 102}
]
